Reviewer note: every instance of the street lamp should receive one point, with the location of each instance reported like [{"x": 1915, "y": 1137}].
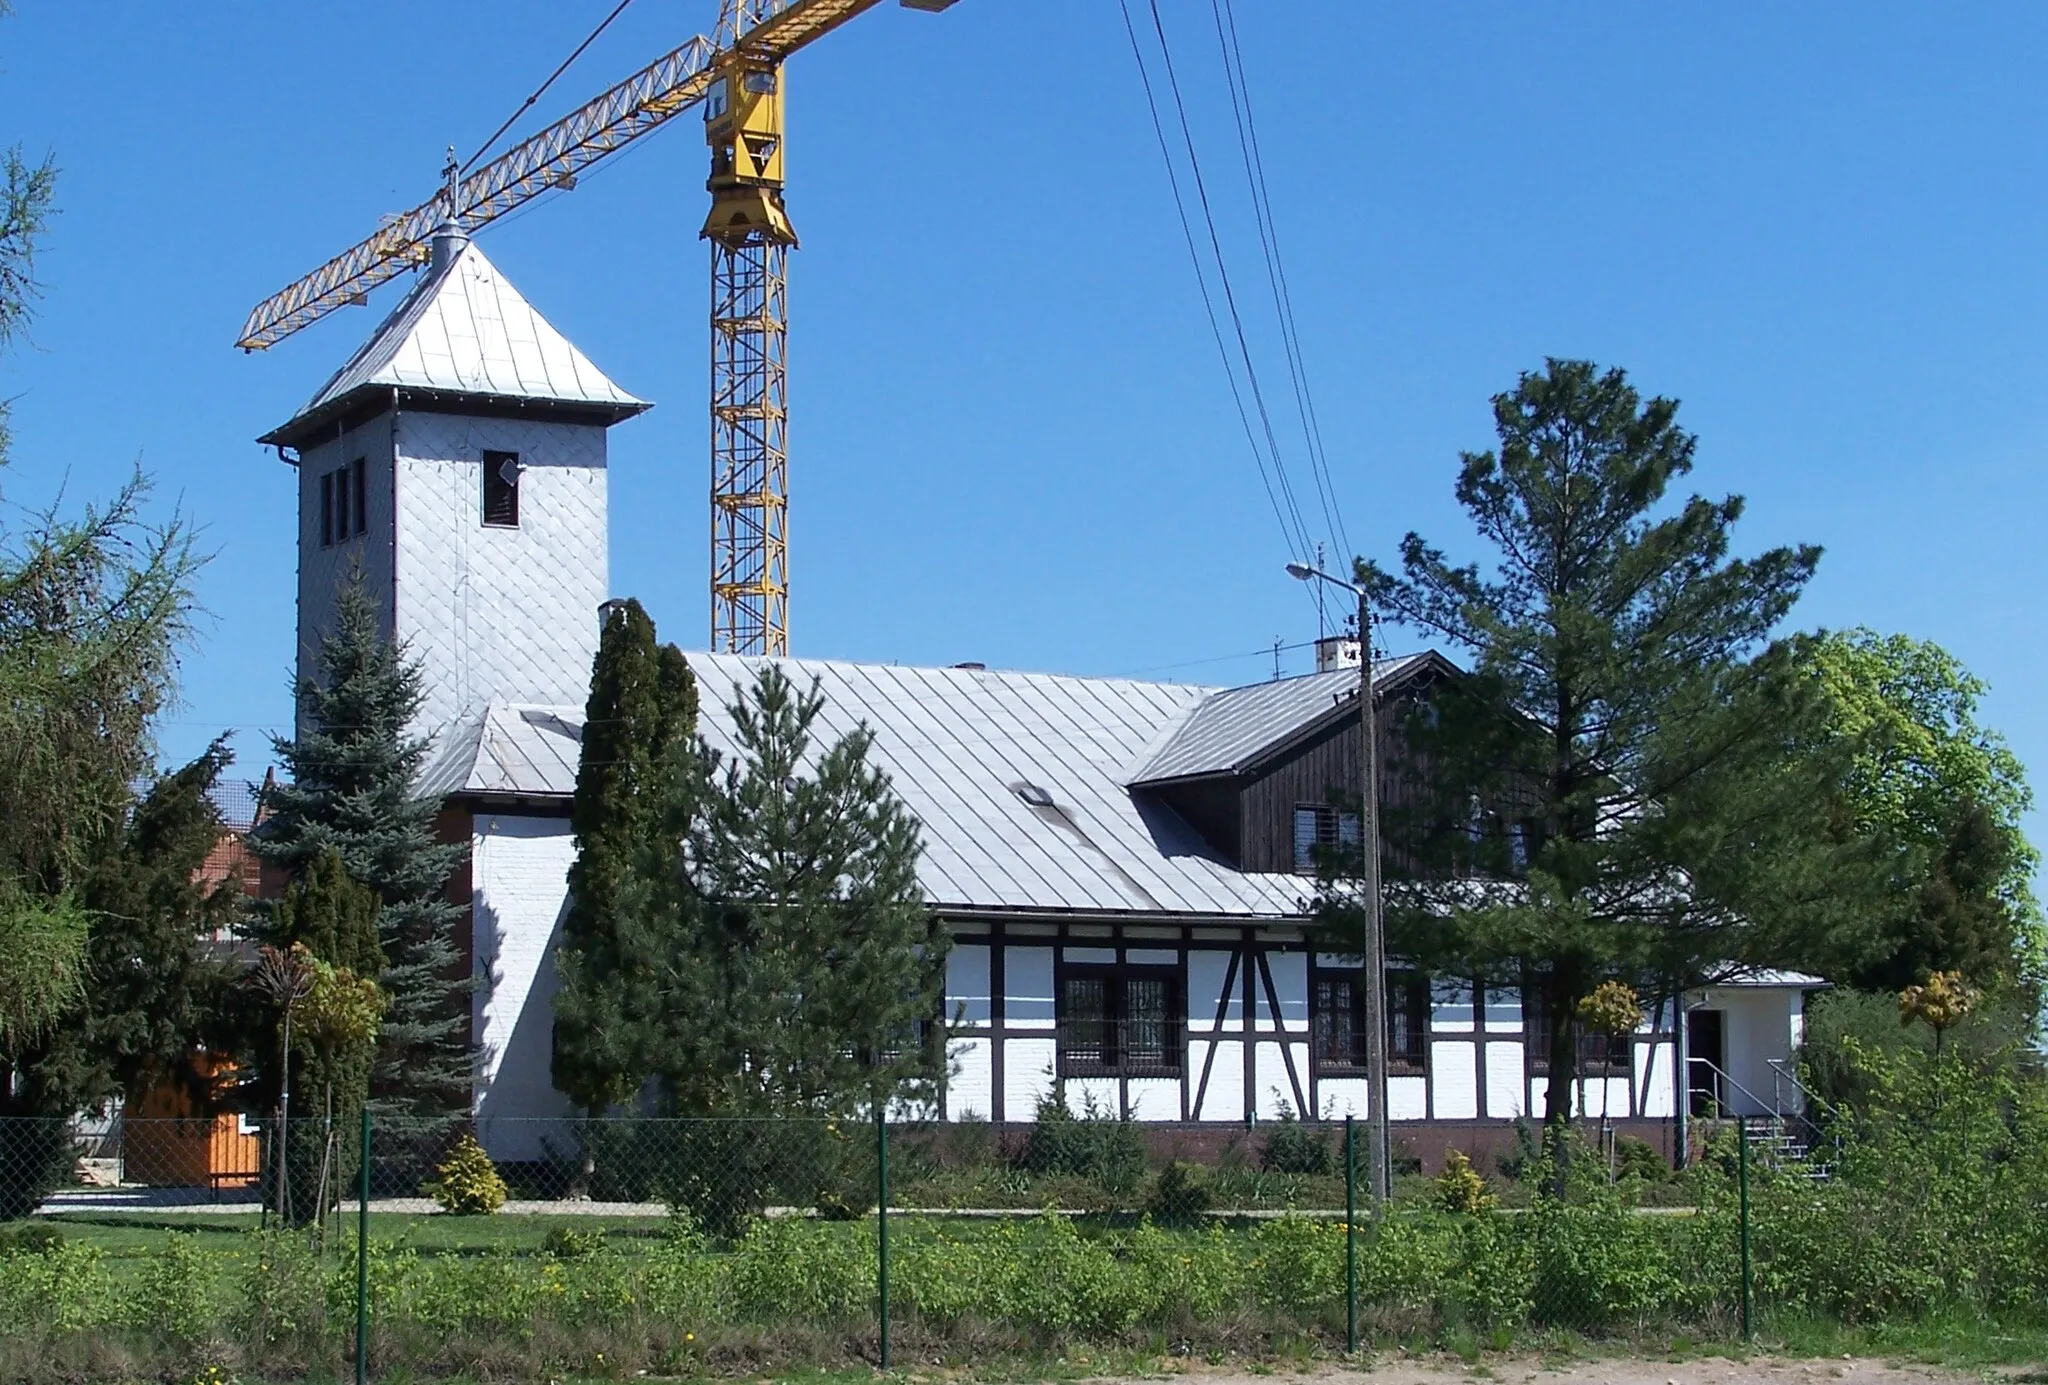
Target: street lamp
[{"x": 1375, "y": 924}]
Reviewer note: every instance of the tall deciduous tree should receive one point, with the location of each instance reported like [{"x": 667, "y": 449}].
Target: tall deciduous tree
[
  {"x": 1948, "y": 792},
  {"x": 608, "y": 1009},
  {"x": 802, "y": 972},
  {"x": 1627, "y": 717},
  {"x": 352, "y": 769}
]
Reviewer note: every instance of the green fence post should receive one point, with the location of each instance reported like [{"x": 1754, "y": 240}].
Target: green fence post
[
  {"x": 1350, "y": 1235},
  {"x": 882, "y": 1224},
  {"x": 1742, "y": 1192},
  {"x": 363, "y": 1259}
]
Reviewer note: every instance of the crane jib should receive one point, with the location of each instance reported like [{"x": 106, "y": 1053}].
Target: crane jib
[{"x": 548, "y": 160}]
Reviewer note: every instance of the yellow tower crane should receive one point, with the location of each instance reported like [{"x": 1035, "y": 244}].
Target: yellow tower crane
[{"x": 736, "y": 76}]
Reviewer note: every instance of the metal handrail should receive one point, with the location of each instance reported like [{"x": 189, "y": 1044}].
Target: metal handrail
[
  {"x": 1717, "y": 1070},
  {"x": 1782, "y": 1067}
]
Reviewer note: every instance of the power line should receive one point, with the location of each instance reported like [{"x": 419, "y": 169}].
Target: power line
[
  {"x": 541, "y": 90},
  {"x": 1296, "y": 542},
  {"x": 1223, "y": 276},
  {"x": 1225, "y": 15}
]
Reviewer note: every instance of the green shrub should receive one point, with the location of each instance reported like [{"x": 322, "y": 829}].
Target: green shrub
[
  {"x": 572, "y": 1243},
  {"x": 1460, "y": 1189},
  {"x": 1293, "y": 1147},
  {"x": 29, "y": 1238},
  {"x": 1093, "y": 1145},
  {"x": 1180, "y": 1196},
  {"x": 1634, "y": 1158},
  {"x": 173, "y": 1300},
  {"x": 468, "y": 1185}
]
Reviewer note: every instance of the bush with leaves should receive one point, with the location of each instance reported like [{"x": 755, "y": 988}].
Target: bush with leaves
[
  {"x": 1095, "y": 1145},
  {"x": 1293, "y": 1147},
  {"x": 468, "y": 1183}
]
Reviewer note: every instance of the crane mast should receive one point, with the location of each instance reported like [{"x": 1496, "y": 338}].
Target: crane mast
[
  {"x": 751, "y": 237},
  {"x": 737, "y": 76}
]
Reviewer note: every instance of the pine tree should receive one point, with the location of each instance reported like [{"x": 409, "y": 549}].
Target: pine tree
[
  {"x": 1629, "y": 710},
  {"x": 802, "y": 972},
  {"x": 351, "y": 774},
  {"x": 642, "y": 706},
  {"x": 155, "y": 987}
]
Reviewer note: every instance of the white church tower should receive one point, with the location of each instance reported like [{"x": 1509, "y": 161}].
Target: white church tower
[{"x": 457, "y": 462}]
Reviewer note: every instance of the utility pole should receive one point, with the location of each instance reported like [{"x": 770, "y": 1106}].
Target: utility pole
[{"x": 1377, "y": 1150}]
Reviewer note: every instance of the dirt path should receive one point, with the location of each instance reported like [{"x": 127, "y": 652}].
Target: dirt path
[{"x": 1760, "y": 1370}]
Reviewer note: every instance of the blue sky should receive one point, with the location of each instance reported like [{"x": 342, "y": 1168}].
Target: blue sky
[{"x": 1821, "y": 228}]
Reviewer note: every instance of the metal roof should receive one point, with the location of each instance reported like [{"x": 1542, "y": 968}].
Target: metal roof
[
  {"x": 237, "y": 801},
  {"x": 969, "y": 750},
  {"x": 1233, "y": 727},
  {"x": 1023, "y": 782},
  {"x": 465, "y": 331},
  {"x": 510, "y": 748}
]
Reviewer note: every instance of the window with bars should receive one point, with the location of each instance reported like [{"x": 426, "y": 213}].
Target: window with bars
[
  {"x": 1120, "y": 1021},
  {"x": 1600, "y": 1055},
  {"x": 1337, "y": 1021},
  {"x": 1319, "y": 828},
  {"x": 501, "y": 489}
]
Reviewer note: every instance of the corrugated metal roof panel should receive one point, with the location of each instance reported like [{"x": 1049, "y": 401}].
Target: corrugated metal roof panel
[
  {"x": 957, "y": 745},
  {"x": 1231, "y": 727},
  {"x": 465, "y": 330}
]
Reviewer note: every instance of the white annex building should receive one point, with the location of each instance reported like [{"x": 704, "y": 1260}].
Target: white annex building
[{"x": 1121, "y": 862}]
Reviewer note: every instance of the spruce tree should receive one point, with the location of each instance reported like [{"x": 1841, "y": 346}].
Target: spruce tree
[
  {"x": 802, "y": 972},
  {"x": 351, "y": 769},
  {"x": 642, "y": 705},
  {"x": 1620, "y": 747}
]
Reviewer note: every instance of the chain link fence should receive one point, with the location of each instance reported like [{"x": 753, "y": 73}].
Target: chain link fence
[{"x": 664, "y": 1243}]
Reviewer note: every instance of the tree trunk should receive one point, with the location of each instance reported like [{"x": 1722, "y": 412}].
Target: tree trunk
[{"x": 1564, "y": 1081}]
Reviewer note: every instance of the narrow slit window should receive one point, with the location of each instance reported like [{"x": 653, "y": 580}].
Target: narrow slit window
[
  {"x": 327, "y": 509},
  {"x": 360, "y": 490},
  {"x": 341, "y": 529},
  {"x": 501, "y": 489}
]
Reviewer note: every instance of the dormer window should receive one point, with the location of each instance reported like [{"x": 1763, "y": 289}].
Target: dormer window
[
  {"x": 1318, "y": 827},
  {"x": 501, "y": 490}
]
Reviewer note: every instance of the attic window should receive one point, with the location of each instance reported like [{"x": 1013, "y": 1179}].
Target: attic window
[
  {"x": 1320, "y": 828},
  {"x": 1034, "y": 795},
  {"x": 501, "y": 489}
]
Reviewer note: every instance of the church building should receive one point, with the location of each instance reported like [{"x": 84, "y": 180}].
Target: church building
[{"x": 1123, "y": 864}]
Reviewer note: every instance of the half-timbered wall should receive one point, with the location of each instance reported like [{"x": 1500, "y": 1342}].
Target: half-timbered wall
[{"x": 1246, "y": 1035}]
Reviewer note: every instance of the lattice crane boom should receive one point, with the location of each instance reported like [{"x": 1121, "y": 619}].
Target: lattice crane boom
[{"x": 738, "y": 78}]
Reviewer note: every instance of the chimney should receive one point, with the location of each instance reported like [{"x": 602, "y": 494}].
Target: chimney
[{"x": 1336, "y": 652}]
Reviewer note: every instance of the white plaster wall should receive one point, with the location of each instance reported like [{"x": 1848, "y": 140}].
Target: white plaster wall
[
  {"x": 970, "y": 1083},
  {"x": 1344, "y": 1096},
  {"x": 1759, "y": 1023},
  {"x": 1155, "y": 1098},
  {"x": 498, "y": 613},
  {"x": 1506, "y": 1081},
  {"x": 1654, "y": 1090},
  {"x": 1223, "y": 1099},
  {"x": 1454, "y": 1079},
  {"x": 1027, "y": 1076},
  {"x": 520, "y": 871}
]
